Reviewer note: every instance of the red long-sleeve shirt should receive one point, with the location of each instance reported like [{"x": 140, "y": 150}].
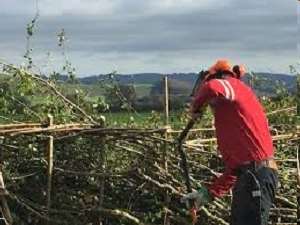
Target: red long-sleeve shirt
[{"x": 241, "y": 126}]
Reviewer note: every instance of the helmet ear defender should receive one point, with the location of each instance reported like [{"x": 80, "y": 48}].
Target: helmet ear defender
[
  {"x": 239, "y": 71},
  {"x": 236, "y": 70}
]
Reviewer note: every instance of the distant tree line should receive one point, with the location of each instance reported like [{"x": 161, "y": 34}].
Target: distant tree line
[{"x": 178, "y": 95}]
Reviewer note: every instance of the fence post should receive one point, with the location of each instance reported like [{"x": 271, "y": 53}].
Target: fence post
[
  {"x": 165, "y": 151},
  {"x": 167, "y": 127},
  {"x": 298, "y": 164},
  {"x": 166, "y": 100},
  {"x": 50, "y": 166}
]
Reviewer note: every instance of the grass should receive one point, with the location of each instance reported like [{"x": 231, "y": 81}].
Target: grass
[{"x": 151, "y": 119}]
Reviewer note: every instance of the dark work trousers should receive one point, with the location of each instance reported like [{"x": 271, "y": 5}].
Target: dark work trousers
[{"x": 253, "y": 196}]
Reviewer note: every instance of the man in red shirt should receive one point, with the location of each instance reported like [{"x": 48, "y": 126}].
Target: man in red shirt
[{"x": 244, "y": 142}]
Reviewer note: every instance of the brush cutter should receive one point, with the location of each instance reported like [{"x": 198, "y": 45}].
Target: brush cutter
[{"x": 181, "y": 138}]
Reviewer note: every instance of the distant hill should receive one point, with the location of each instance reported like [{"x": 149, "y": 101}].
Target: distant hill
[
  {"x": 266, "y": 81},
  {"x": 141, "y": 78}
]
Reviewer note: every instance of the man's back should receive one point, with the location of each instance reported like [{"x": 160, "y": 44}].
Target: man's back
[{"x": 241, "y": 125}]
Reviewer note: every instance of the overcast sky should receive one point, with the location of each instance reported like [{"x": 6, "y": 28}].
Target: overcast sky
[{"x": 167, "y": 36}]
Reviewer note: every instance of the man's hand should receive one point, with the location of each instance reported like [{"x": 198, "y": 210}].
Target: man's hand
[
  {"x": 195, "y": 116},
  {"x": 191, "y": 112},
  {"x": 199, "y": 198}
]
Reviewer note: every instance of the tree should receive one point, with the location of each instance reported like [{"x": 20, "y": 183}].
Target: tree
[{"x": 121, "y": 97}]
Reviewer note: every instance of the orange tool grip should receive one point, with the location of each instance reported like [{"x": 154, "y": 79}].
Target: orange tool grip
[{"x": 193, "y": 213}]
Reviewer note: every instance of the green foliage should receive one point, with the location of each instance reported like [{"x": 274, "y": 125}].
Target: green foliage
[
  {"x": 30, "y": 30},
  {"x": 67, "y": 67},
  {"x": 120, "y": 97},
  {"x": 31, "y": 26}
]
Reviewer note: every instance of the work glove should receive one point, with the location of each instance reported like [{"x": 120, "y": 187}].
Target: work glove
[{"x": 198, "y": 198}]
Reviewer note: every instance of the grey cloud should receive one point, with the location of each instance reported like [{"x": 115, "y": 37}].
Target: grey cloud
[
  {"x": 243, "y": 27},
  {"x": 188, "y": 31}
]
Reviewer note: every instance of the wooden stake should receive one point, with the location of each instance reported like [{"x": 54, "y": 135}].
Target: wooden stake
[
  {"x": 166, "y": 87},
  {"x": 298, "y": 164},
  {"x": 166, "y": 92},
  {"x": 4, "y": 206},
  {"x": 50, "y": 166},
  {"x": 165, "y": 158}
]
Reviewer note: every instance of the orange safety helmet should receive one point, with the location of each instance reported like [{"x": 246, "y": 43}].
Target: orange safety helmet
[{"x": 220, "y": 66}]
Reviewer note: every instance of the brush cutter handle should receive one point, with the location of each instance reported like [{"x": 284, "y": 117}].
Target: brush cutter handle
[
  {"x": 185, "y": 169},
  {"x": 186, "y": 130},
  {"x": 184, "y": 164}
]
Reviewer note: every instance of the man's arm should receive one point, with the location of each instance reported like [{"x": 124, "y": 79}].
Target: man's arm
[
  {"x": 207, "y": 92},
  {"x": 222, "y": 184}
]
